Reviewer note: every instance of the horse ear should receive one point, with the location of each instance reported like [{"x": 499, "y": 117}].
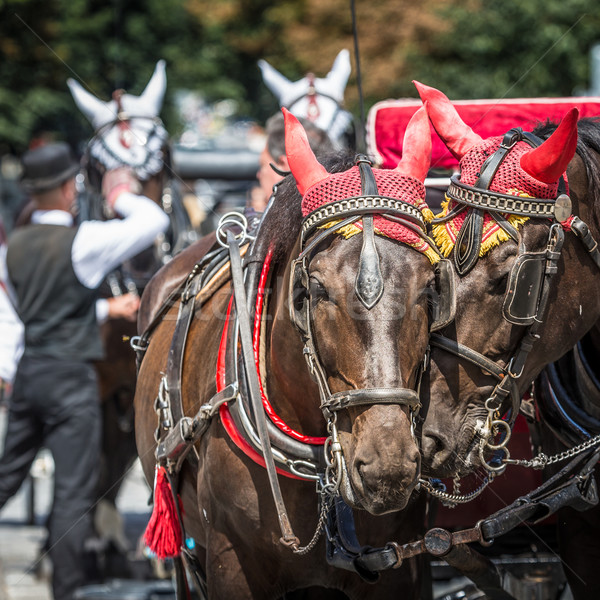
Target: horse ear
[
  {"x": 549, "y": 161},
  {"x": 305, "y": 167},
  {"x": 274, "y": 80},
  {"x": 455, "y": 133},
  {"x": 94, "y": 110},
  {"x": 416, "y": 147},
  {"x": 154, "y": 93},
  {"x": 340, "y": 72}
]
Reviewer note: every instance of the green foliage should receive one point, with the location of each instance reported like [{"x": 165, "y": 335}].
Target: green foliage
[
  {"x": 510, "y": 48},
  {"x": 467, "y": 48}
]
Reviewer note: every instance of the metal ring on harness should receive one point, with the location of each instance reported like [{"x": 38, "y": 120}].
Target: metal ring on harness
[{"x": 227, "y": 222}]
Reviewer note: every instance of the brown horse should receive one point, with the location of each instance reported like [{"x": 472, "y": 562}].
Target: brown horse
[
  {"x": 363, "y": 328},
  {"x": 524, "y": 297}
]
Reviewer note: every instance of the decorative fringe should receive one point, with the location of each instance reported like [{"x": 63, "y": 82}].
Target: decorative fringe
[
  {"x": 493, "y": 235},
  {"x": 427, "y": 214},
  {"x": 163, "y": 532},
  {"x": 432, "y": 255}
]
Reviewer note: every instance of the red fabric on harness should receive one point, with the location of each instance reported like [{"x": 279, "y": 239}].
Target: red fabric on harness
[
  {"x": 224, "y": 413},
  {"x": 260, "y": 298},
  {"x": 387, "y": 122},
  {"x": 163, "y": 533}
]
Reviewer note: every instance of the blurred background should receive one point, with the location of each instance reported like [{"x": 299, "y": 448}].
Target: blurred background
[
  {"x": 468, "y": 48},
  {"x": 216, "y": 103},
  {"x": 216, "y": 99}
]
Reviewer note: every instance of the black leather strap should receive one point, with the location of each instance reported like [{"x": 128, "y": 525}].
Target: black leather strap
[{"x": 366, "y": 396}]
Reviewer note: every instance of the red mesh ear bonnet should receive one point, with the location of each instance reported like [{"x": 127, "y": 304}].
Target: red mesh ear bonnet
[
  {"x": 319, "y": 187},
  {"x": 524, "y": 172}
]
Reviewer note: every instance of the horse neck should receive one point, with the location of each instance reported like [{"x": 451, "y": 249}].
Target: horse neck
[{"x": 291, "y": 391}]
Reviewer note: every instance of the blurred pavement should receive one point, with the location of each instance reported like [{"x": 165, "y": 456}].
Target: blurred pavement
[{"x": 20, "y": 542}]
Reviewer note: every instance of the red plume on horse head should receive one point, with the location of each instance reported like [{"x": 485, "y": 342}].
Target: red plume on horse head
[
  {"x": 453, "y": 131},
  {"x": 308, "y": 171},
  {"x": 549, "y": 161},
  {"x": 545, "y": 163},
  {"x": 405, "y": 183}
]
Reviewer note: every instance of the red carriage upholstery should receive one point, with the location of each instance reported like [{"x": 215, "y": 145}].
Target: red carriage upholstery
[{"x": 387, "y": 122}]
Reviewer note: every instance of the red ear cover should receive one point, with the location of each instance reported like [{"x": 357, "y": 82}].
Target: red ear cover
[
  {"x": 416, "y": 147},
  {"x": 453, "y": 131},
  {"x": 305, "y": 167},
  {"x": 549, "y": 161}
]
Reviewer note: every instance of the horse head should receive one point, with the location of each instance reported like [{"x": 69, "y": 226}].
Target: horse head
[
  {"x": 358, "y": 288},
  {"x": 522, "y": 298},
  {"x": 127, "y": 129},
  {"x": 317, "y": 99}
]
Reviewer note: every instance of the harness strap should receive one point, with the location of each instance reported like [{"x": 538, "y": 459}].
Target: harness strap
[
  {"x": 366, "y": 396},
  {"x": 288, "y": 538},
  {"x": 582, "y": 231},
  {"x": 462, "y": 351},
  {"x": 178, "y": 343}
]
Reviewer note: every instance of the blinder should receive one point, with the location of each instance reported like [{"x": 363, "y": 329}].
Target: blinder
[
  {"x": 298, "y": 297},
  {"x": 444, "y": 300},
  {"x": 520, "y": 306}
]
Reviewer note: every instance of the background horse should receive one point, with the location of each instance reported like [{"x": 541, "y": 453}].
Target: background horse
[
  {"x": 521, "y": 301},
  {"x": 318, "y": 99},
  {"x": 128, "y": 132},
  {"x": 356, "y": 342}
]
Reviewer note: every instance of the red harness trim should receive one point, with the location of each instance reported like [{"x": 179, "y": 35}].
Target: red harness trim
[
  {"x": 224, "y": 413},
  {"x": 260, "y": 299}
]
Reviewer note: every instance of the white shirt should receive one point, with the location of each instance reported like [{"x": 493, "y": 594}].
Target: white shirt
[
  {"x": 98, "y": 248},
  {"x": 11, "y": 328}
]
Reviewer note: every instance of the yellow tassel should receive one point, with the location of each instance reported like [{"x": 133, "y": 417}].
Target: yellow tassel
[
  {"x": 444, "y": 207},
  {"x": 442, "y": 239},
  {"x": 427, "y": 214},
  {"x": 433, "y": 256}
]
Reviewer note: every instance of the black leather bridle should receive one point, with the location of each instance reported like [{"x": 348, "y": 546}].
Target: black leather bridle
[
  {"x": 368, "y": 286},
  {"x": 529, "y": 282}
]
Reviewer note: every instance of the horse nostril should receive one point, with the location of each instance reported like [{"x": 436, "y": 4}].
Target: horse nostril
[{"x": 432, "y": 444}]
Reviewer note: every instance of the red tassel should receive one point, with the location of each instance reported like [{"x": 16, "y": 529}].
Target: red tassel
[{"x": 163, "y": 532}]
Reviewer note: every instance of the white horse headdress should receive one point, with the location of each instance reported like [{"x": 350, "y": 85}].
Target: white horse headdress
[
  {"x": 127, "y": 129},
  {"x": 316, "y": 99}
]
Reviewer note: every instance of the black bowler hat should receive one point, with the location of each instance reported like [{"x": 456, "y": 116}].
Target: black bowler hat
[{"x": 47, "y": 167}]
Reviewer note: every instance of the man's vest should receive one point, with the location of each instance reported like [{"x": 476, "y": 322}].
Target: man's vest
[{"x": 58, "y": 311}]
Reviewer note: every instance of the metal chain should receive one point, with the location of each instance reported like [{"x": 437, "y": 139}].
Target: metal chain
[
  {"x": 326, "y": 501},
  {"x": 542, "y": 460},
  {"x": 452, "y": 500},
  {"x": 329, "y": 487}
]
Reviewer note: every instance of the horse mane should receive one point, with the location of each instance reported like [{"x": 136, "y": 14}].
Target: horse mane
[
  {"x": 588, "y": 148},
  {"x": 281, "y": 225}
]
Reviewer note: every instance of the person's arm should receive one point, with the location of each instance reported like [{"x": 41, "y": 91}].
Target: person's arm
[
  {"x": 117, "y": 307},
  {"x": 100, "y": 246}
]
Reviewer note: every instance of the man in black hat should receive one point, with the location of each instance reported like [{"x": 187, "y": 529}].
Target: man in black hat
[{"x": 55, "y": 269}]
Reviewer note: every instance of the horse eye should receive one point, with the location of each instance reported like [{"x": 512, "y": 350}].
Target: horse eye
[
  {"x": 317, "y": 290},
  {"x": 498, "y": 284}
]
